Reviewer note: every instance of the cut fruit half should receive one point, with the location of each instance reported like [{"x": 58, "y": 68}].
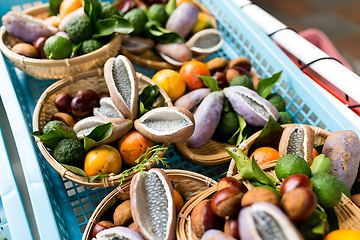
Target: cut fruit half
[
  {"x": 153, "y": 205},
  {"x": 107, "y": 109},
  {"x": 120, "y": 126},
  {"x": 122, "y": 82},
  {"x": 166, "y": 124},
  {"x": 118, "y": 233}
]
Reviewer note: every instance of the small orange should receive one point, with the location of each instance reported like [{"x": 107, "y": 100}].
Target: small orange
[
  {"x": 178, "y": 2},
  {"x": 315, "y": 153},
  {"x": 343, "y": 234},
  {"x": 132, "y": 145},
  {"x": 68, "y": 6},
  {"x": 172, "y": 83},
  {"x": 53, "y": 21},
  {"x": 265, "y": 154},
  {"x": 102, "y": 159},
  {"x": 179, "y": 201},
  {"x": 189, "y": 72}
]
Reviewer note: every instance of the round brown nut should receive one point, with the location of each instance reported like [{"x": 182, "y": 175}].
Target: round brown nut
[
  {"x": 122, "y": 213},
  {"x": 65, "y": 118},
  {"x": 260, "y": 194},
  {"x": 227, "y": 201},
  {"x": 231, "y": 73},
  {"x": 101, "y": 226},
  {"x": 217, "y": 64},
  {"x": 240, "y": 62},
  {"x": 26, "y": 50},
  {"x": 226, "y": 182}
]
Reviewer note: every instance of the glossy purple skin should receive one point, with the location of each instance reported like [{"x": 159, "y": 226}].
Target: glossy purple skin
[
  {"x": 183, "y": 19},
  {"x": 244, "y": 110},
  {"x": 343, "y": 149},
  {"x": 216, "y": 234},
  {"x": 247, "y": 228},
  {"x": 191, "y": 98},
  {"x": 207, "y": 117}
]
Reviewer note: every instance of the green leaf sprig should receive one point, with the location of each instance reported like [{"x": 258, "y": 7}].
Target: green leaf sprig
[
  {"x": 265, "y": 85},
  {"x": 161, "y": 35},
  {"x": 154, "y": 153},
  {"x": 210, "y": 82}
]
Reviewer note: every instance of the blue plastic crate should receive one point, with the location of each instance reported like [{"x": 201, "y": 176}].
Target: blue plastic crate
[
  {"x": 12, "y": 212},
  {"x": 62, "y": 208}
]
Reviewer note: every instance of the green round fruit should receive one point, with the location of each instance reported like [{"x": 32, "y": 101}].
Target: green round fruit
[
  {"x": 79, "y": 29},
  {"x": 228, "y": 123},
  {"x": 57, "y": 47},
  {"x": 108, "y": 10},
  {"x": 89, "y": 46},
  {"x": 242, "y": 80},
  {"x": 277, "y": 101},
  {"x": 291, "y": 164},
  {"x": 285, "y": 118},
  {"x": 344, "y": 188},
  {"x": 157, "y": 12},
  {"x": 50, "y": 125},
  {"x": 138, "y": 18},
  {"x": 69, "y": 151},
  {"x": 327, "y": 189}
]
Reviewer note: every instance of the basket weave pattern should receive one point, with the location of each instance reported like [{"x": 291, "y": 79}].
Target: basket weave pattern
[
  {"x": 187, "y": 183},
  {"x": 45, "y": 109}
]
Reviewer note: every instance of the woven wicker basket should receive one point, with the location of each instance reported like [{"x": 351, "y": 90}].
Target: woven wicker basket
[
  {"x": 187, "y": 183},
  {"x": 159, "y": 63},
  {"x": 45, "y": 109},
  {"x": 213, "y": 152},
  {"x": 54, "y": 69}
]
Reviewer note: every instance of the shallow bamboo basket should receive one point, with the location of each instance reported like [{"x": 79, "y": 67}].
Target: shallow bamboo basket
[
  {"x": 46, "y": 69},
  {"x": 347, "y": 212},
  {"x": 213, "y": 152},
  {"x": 45, "y": 109},
  {"x": 187, "y": 183},
  {"x": 157, "y": 62}
]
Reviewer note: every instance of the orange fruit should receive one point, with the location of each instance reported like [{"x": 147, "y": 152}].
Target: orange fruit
[
  {"x": 132, "y": 145},
  {"x": 102, "y": 159},
  {"x": 265, "y": 154},
  {"x": 189, "y": 72},
  {"x": 68, "y": 6},
  {"x": 178, "y": 2},
  {"x": 315, "y": 153},
  {"x": 172, "y": 83},
  {"x": 343, "y": 234},
  {"x": 53, "y": 21},
  {"x": 179, "y": 201}
]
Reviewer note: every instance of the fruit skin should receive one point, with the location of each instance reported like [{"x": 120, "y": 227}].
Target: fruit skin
[
  {"x": 299, "y": 204},
  {"x": 189, "y": 72},
  {"x": 226, "y": 202},
  {"x": 69, "y": 151},
  {"x": 79, "y": 29},
  {"x": 183, "y": 19},
  {"x": 83, "y": 102},
  {"x": 138, "y": 18},
  {"x": 68, "y": 6},
  {"x": 285, "y": 118},
  {"x": 277, "y": 101},
  {"x": 291, "y": 164},
  {"x": 216, "y": 234},
  {"x": 242, "y": 80},
  {"x": 207, "y": 117},
  {"x": 179, "y": 201},
  {"x": 26, "y": 50},
  {"x": 65, "y": 118},
  {"x": 327, "y": 189},
  {"x": 57, "y": 47},
  {"x": 190, "y": 99},
  {"x": 264, "y": 154},
  {"x": 203, "y": 218},
  {"x": 228, "y": 123},
  {"x": 343, "y": 234},
  {"x": 157, "y": 12},
  {"x": 172, "y": 83},
  {"x": 295, "y": 181},
  {"x": 240, "y": 62},
  {"x": 102, "y": 159},
  {"x": 39, "y": 45},
  {"x": 217, "y": 64},
  {"x": 101, "y": 226},
  {"x": 221, "y": 79},
  {"x": 343, "y": 149},
  {"x": 108, "y": 10},
  {"x": 89, "y": 46},
  {"x": 226, "y": 182},
  {"x": 231, "y": 227},
  {"x": 122, "y": 213},
  {"x": 260, "y": 194},
  {"x": 177, "y": 51},
  {"x": 132, "y": 145}
]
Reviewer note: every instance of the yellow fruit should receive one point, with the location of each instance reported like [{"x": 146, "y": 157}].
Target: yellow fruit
[
  {"x": 343, "y": 234},
  {"x": 102, "y": 159},
  {"x": 203, "y": 22},
  {"x": 172, "y": 83}
]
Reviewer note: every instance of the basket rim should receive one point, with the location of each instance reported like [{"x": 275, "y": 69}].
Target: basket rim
[
  {"x": 104, "y": 182},
  {"x": 27, "y": 61},
  {"x": 245, "y": 146},
  {"x": 101, "y": 207},
  {"x": 208, "y": 160}
]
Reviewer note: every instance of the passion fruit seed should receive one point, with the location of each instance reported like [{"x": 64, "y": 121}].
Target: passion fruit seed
[
  {"x": 158, "y": 125},
  {"x": 207, "y": 41},
  {"x": 122, "y": 81},
  {"x": 267, "y": 227},
  {"x": 158, "y": 204},
  {"x": 255, "y": 105},
  {"x": 108, "y": 109},
  {"x": 296, "y": 142}
]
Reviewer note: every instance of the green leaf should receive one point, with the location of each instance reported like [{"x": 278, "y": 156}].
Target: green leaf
[
  {"x": 88, "y": 143},
  {"x": 54, "y": 136},
  {"x": 162, "y": 35},
  {"x": 239, "y": 132},
  {"x": 170, "y": 7},
  {"x": 243, "y": 163},
  {"x": 227, "y": 105},
  {"x": 101, "y": 132},
  {"x": 123, "y": 25},
  {"x": 92, "y": 178},
  {"x": 75, "y": 48},
  {"x": 332, "y": 219},
  {"x": 149, "y": 95},
  {"x": 210, "y": 82},
  {"x": 265, "y": 85},
  {"x": 76, "y": 171},
  {"x": 269, "y": 136},
  {"x": 96, "y": 11},
  {"x": 321, "y": 164},
  {"x": 260, "y": 174},
  {"x": 104, "y": 27},
  {"x": 54, "y": 6},
  {"x": 142, "y": 108}
]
